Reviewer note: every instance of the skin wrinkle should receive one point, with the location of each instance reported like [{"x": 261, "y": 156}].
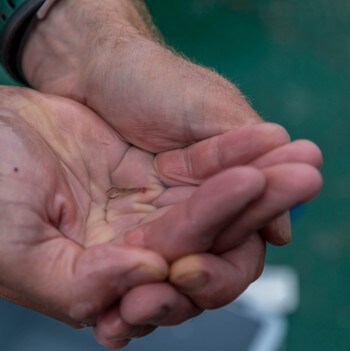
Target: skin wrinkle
[
  {"x": 41, "y": 64},
  {"x": 211, "y": 109},
  {"x": 109, "y": 221},
  {"x": 86, "y": 170},
  {"x": 201, "y": 76},
  {"x": 189, "y": 135},
  {"x": 254, "y": 274},
  {"x": 67, "y": 169},
  {"x": 40, "y": 192},
  {"x": 37, "y": 124},
  {"x": 188, "y": 162},
  {"x": 39, "y": 187},
  {"x": 219, "y": 149},
  {"x": 205, "y": 240},
  {"x": 55, "y": 47},
  {"x": 89, "y": 175},
  {"x": 122, "y": 159},
  {"x": 5, "y": 207},
  {"x": 67, "y": 176}
]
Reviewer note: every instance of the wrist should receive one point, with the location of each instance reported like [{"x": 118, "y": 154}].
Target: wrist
[
  {"x": 59, "y": 50},
  {"x": 52, "y": 48}
]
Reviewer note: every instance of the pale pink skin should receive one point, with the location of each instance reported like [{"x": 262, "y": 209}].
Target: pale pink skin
[
  {"x": 67, "y": 249},
  {"x": 215, "y": 176}
]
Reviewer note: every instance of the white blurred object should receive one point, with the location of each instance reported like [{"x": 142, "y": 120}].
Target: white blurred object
[{"x": 277, "y": 291}]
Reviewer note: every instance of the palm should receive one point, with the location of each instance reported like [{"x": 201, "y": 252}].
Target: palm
[{"x": 73, "y": 184}]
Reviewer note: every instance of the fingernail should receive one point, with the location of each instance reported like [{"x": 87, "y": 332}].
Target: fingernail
[
  {"x": 159, "y": 316},
  {"x": 144, "y": 274},
  {"x": 191, "y": 282}
]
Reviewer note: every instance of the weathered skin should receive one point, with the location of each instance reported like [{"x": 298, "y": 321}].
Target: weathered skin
[
  {"x": 70, "y": 251},
  {"x": 106, "y": 54}
]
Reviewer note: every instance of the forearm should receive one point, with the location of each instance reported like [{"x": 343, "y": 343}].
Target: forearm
[{"x": 107, "y": 56}]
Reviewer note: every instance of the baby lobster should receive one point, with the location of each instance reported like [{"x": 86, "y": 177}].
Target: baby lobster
[{"x": 116, "y": 192}]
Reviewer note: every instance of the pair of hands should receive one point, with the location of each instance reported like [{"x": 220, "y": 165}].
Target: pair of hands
[{"x": 147, "y": 212}]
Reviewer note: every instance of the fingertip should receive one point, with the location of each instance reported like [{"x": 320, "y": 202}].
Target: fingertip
[
  {"x": 305, "y": 179},
  {"x": 147, "y": 304},
  {"x": 193, "y": 275},
  {"x": 113, "y": 345},
  {"x": 190, "y": 266},
  {"x": 213, "y": 281},
  {"x": 313, "y": 181},
  {"x": 113, "y": 332},
  {"x": 312, "y": 153},
  {"x": 156, "y": 305},
  {"x": 276, "y": 133},
  {"x": 278, "y": 232},
  {"x": 110, "y": 343}
]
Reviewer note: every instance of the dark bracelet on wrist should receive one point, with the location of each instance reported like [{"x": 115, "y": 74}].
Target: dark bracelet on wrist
[{"x": 17, "y": 17}]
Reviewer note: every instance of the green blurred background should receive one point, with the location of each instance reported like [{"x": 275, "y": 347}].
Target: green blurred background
[{"x": 291, "y": 59}]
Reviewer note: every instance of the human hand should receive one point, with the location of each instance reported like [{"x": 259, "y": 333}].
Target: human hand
[
  {"x": 57, "y": 162},
  {"x": 68, "y": 170},
  {"x": 105, "y": 55},
  {"x": 211, "y": 281},
  {"x": 152, "y": 97}
]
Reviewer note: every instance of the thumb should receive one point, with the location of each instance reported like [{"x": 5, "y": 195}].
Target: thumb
[{"x": 105, "y": 272}]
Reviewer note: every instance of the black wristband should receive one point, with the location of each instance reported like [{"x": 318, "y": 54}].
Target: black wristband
[{"x": 16, "y": 20}]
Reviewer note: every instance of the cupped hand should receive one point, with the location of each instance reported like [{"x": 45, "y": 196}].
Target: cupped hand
[
  {"x": 77, "y": 199},
  {"x": 212, "y": 280},
  {"x": 72, "y": 192},
  {"x": 69, "y": 190}
]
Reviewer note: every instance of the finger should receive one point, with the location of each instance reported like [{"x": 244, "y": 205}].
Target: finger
[
  {"x": 287, "y": 186},
  {"x": 114, "y": 344},
  {"x": 113, "y": 332},
  {"x": 195, "y": 161},
  {"x": 213, "y": 281},
  {"x": 238, "y": 147},
  {"x": 300, "y": 151},
  {"x": 202, "y": 216},
  {"x": 279, "y": 231},
  {"x": 105, "y": 272},
  {"x": 158, "y": 305}
]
